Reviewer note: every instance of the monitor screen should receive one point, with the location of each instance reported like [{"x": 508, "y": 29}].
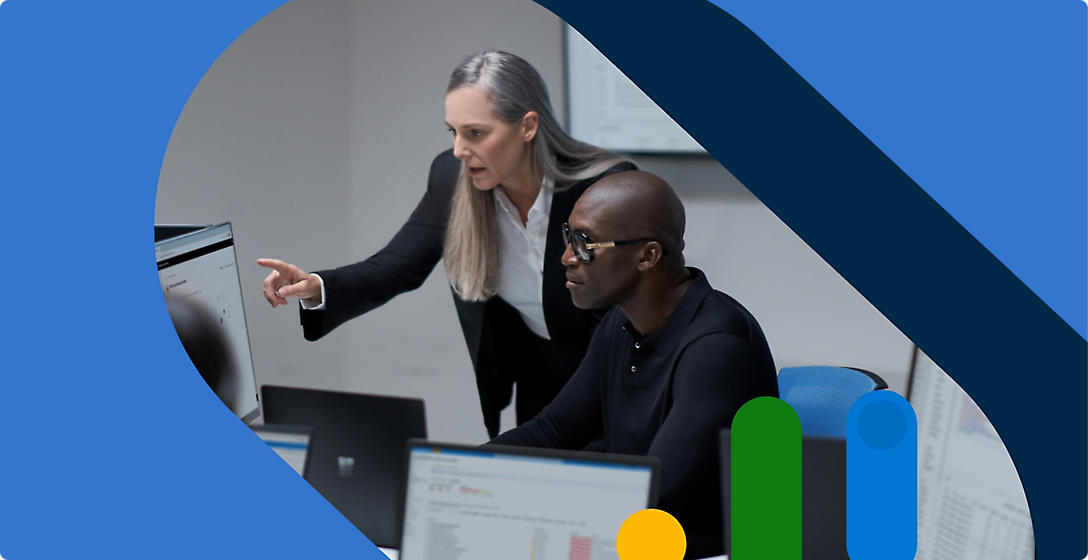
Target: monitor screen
[
  {"x": 484, "y": 503},
  {"x": 199, "y": 277},
  {"x": 970, "y": 500}
]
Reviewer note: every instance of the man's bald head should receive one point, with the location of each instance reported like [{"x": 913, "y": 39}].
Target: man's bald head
[
  {"x": 642, "y": 215},
  {"x": 637, "y": 204}
]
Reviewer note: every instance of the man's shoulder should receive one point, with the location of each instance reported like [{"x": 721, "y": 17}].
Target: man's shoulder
[{"x": 719, "y": 313}]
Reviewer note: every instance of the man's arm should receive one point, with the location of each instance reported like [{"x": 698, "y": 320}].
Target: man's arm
[{"x": 574, "y": 418}]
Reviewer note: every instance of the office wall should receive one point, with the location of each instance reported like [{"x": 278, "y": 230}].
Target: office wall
[{"x": 313, "y": 134}]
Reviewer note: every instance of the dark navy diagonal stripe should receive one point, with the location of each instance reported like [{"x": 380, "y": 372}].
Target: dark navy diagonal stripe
[{"x": 1019, "y": 360}]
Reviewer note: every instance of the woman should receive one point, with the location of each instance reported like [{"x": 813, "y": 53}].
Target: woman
[{"x": 493, "y": 211}]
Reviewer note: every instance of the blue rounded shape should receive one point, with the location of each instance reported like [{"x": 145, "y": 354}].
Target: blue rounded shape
[
  {"x": 882, "y": 425},
  {"x": 882, "y": 478}
]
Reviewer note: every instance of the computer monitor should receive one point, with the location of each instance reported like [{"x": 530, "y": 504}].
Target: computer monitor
[
  {"x": 199, "y": 276},
  {"x": 519, "y": 502},
  {"x": 970, "y": 500},
  {"x": 291, "y": 442}
]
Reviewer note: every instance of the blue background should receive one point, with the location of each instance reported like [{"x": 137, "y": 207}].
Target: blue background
[{"x": 981, "y": 104}]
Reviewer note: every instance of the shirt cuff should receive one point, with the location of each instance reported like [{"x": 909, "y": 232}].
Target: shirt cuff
[{"x": 311, "y": 305}]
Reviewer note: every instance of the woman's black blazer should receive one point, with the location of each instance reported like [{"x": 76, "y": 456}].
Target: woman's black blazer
[{"x": 410, "y": 257}]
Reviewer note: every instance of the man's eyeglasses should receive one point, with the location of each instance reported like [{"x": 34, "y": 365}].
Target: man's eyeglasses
[{"x": 583, "y": 247}]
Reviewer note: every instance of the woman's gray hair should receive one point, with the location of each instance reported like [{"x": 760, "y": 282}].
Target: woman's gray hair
[{"x": 513, "y": 88}]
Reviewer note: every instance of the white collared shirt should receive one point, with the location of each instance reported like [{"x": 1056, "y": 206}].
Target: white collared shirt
[{"x": 521, "y": 252}]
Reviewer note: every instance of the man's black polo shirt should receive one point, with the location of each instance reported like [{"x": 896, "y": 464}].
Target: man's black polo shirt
[{"x": 666, "y": 395}]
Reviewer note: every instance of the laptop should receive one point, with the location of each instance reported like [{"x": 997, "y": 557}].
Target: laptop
[
  {"x": 357, "y": 455},
  {"x": 518, "y": 502},
  {"x": 290, "y": 442},
  {"x": 823, "y": 496}
]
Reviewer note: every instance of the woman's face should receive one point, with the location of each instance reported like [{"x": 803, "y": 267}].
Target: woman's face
[{"x": 494, "y": 152}]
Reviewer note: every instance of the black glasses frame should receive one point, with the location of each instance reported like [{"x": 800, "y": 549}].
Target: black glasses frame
[{"x": 583, "y": 246}]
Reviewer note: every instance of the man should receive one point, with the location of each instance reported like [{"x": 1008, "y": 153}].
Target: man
[{"x": 668, "y": 366}]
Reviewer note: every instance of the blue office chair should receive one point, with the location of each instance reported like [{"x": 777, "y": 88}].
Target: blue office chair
[{"x": 823, "y": 395}]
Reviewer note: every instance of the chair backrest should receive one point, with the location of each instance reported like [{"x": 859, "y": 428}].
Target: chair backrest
[{"x": 822, "y": 395}]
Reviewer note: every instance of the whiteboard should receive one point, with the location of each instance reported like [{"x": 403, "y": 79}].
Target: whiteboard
[
  {"x": 970, "y": 501},
  {"x": 605, "y": 108}
]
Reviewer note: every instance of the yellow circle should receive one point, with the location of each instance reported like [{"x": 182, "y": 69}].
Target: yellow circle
[{"x": 651, "y": 534}]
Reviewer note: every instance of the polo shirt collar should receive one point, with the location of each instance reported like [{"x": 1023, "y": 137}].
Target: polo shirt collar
[{"x": 666, "y": 338}]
